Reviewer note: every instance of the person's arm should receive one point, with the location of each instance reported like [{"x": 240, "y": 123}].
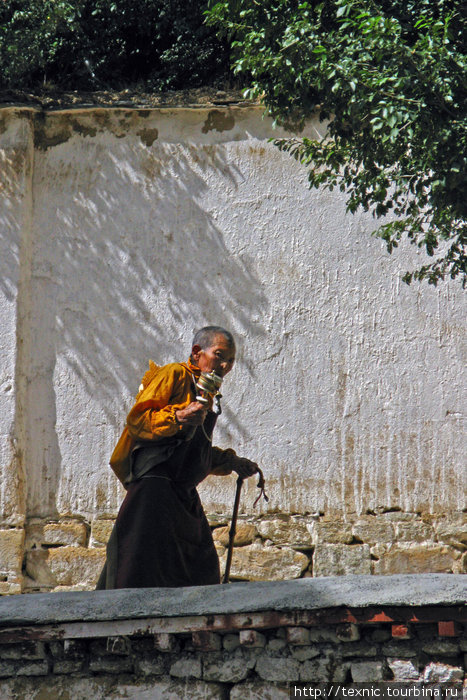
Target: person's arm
[
  {"x": 224, "y": 462},
  {"x": 154, "y": 414}
]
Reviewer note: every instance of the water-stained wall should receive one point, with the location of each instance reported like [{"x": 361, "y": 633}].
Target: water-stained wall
[{"x": 122, "y": 231}]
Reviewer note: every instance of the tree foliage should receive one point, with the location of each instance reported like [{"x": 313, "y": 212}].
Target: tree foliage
[
  {"x": 389, "y": 80},
  {"x": 91, "y": 44}
]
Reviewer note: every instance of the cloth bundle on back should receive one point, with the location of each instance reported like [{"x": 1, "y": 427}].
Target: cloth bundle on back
[{"x": 161, "y": 536}]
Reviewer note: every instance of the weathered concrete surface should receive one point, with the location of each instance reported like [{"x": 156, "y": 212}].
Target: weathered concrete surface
[
  {"x": 305, "y": 594},
  {"x": 109, "y": 687}
]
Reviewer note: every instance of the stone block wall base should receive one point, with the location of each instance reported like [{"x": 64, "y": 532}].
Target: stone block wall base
[
  {"x": 68, "y": 554},
  {"x": 11, "y": 560}
]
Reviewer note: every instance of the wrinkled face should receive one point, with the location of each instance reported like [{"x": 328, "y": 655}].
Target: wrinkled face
[{"x": 220, "y": 356}]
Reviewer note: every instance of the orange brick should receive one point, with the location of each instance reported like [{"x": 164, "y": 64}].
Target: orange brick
[
  {"x": 448, "y": 629},
  {"x": 400, "y": 631}
]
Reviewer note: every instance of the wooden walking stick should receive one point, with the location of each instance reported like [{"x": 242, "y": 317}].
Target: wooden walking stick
[{"x": 233, "y": 525}]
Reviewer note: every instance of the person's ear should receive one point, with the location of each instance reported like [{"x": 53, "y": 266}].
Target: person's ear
[{"x": 195, "y": 352}]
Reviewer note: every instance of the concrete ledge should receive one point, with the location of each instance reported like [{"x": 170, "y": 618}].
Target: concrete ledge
[{"x": 311, "y": 594}]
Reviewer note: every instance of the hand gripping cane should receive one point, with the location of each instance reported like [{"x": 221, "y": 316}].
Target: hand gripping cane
[{"x": 233, "y": 525}]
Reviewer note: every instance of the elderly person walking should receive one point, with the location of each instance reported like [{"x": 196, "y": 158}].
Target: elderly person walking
[{"x": 161, "y": 536}]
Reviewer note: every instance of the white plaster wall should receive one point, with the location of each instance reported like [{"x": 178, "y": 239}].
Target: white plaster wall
[
  {"x": 16, "y": 152},
  {"x": 348, "y": 386}
]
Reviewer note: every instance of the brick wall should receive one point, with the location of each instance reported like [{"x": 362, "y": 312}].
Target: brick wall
[{"x": 232, "y": 657}]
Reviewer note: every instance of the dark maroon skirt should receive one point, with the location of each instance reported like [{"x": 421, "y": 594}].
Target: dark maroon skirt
[{"x": 161, "y": 538}]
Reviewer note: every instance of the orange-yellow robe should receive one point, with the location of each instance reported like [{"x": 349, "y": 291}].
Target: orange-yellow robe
[{"x": 161, "y": 536}]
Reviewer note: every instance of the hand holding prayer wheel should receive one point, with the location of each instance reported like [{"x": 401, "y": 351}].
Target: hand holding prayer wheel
[{"x": 207, "y": 388}]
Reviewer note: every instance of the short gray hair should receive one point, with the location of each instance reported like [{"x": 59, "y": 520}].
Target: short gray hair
[{"x": 205, "y": 336}]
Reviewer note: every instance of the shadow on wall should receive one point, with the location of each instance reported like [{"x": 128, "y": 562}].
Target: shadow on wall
[
  {"x": 12, "y": 164},
  {"x": 126, "y": 264},
  {"x": 140, "y": 258}
]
